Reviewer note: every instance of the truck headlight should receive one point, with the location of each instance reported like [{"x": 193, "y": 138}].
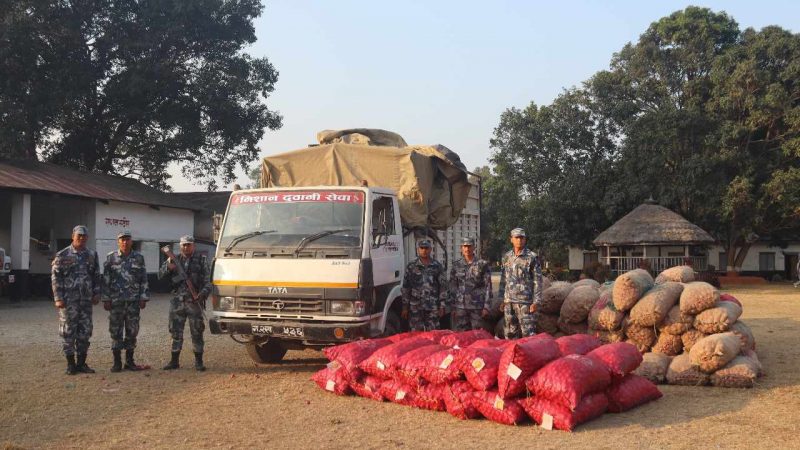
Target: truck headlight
[
  {"x": 342, "y": 307},
  {"x": 227, "y": 303}
]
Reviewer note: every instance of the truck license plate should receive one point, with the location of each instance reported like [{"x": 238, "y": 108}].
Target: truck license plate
[
  {"x": 272, "y": 330},
  {"x": 261, "y": 329}
]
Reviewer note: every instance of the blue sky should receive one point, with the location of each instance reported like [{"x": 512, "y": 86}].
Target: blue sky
[{"x": 442, "y": 72}]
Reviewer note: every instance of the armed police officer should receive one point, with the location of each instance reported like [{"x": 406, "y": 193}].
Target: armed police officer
[
  {"x": 125, "y": 293},
  {"x": 424, "y": 290},
  {"x": 76, "y": 283},
  {"x": 470, "y": 288},
  {"x": 183, "y": 305},
  {"x": 520, "y": 286}
]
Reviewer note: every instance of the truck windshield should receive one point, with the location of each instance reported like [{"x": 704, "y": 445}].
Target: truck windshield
[{"x": 285, "y": 218}]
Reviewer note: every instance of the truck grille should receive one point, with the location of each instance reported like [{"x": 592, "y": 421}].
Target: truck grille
[{"x": 281, "y": 306}]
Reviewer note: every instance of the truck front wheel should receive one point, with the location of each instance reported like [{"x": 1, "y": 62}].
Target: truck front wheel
[
  {"x": 393, "y": 324},
  {"x": 269, "y": 352}
]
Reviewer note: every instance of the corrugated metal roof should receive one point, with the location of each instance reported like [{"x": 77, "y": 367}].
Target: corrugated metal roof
[
  {"x": 37, "y": 176},
  {"x": 213, "y": 202}
]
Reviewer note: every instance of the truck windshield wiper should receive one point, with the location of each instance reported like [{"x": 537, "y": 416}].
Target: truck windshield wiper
[
  {"x": 313, "y": 237},
  {"x": 244, "y": 237}
]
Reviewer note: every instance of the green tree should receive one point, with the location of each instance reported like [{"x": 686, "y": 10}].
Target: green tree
[{"x": 135, "y": 85}]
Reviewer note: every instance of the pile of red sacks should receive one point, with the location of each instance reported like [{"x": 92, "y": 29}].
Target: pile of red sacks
[{"x": 558, "y": 383}]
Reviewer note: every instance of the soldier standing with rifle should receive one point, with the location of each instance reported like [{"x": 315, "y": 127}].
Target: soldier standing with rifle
[
  {"x": 76, "y": 284},
  {"x": 125, "y": 294},
  {"x": 191, "y": 285}
]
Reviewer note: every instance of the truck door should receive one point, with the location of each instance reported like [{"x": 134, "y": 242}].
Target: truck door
[{"x": 386, "y": 249}]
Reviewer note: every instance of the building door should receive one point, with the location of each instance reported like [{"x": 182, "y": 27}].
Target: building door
[{"x": 790, "y": 270}]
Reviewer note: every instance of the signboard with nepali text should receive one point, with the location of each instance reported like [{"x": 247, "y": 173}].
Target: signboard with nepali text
[{"x": 299, "y": 197}]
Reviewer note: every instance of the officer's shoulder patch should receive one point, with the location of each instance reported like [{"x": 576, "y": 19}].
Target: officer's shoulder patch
[
  {"x": 110, "y": 254},
  {"x": 63, "y": 251}
]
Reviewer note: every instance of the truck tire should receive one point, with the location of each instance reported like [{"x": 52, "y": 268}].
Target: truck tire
[
  {"x": 393, "y": 324},
  {"x": 270, "y": 352}
]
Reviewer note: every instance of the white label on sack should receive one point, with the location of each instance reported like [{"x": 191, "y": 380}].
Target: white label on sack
[
  {"x": 446, "y": 362},
  {"x": 456, "y": 347},
  {"x": 334, "y": 365},
  {"x": 367, "y": 388},
  {"x": 380, "y": 365},
  {"x": 400, "y": 395},
  {"x": 330, "y": 385},
  {"x": 547, "y": 421},
  {"x": 499, "y": 403},
  {"x": 478, "y": 364},
  {"x": 513, "y": 371}
]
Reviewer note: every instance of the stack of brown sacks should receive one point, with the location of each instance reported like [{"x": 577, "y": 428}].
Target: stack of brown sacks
[
  {"x": 558, "y": 383},
  {"x": 688, "y": 332}
]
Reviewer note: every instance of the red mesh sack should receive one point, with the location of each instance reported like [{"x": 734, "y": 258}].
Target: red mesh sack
[
  {"x": 367, "y": 386},
  {"x": 398, "y": 392},
  {"x": 442, "y": 367},
  {"x": 465, "y": 338},
  {"x": 408, "y": 367},
  {"x": 350, "y": 355},
  {"x": 549, "y": 413},
  {"x": 381, "y": 363},
  {"x": 620, "y": 358},
  {"x": 729, "y": 298},
  {"x": 567, "y": 379},
  {"x": 430, "y": 396},
  {"x": 480, "y": 366},
  {"x": 435, "y": 335},
  {"x": 458, "y": 400},
  {"x": 489, "y": 343},
  {"x": 577, "y": 344},
  {"x": 403, "y": 336},
  {"x": 520, "y": 360},
  {"x": 494, "y": 408},
  {"x": 332, "y": 380},
  {"x": 631, "y": 392}
]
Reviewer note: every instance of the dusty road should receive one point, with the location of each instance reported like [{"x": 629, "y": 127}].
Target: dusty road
[{"x": 238, "y": 405}]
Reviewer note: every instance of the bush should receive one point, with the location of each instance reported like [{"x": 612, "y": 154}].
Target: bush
[{"x": 598, "y": 272}]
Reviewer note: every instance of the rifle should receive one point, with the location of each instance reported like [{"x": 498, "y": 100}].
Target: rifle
[{"x": 181, "y": 273}]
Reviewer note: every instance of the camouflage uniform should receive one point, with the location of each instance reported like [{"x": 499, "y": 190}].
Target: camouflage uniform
[
  {"x": 520, "y": 285},
  {"x": 75, "y": 278},
  {"x": 181, "y": 306},
  {"x": 470, "y": 290},
  {"x": 424, "y": 292},
  {"x": 125, "y": 282}
]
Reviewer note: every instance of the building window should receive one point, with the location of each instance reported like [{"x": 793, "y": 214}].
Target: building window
[
  {"x": 766, "y": 262},
  {"x": 589, "y": 258},
  {"x": 723, "y": 261}
]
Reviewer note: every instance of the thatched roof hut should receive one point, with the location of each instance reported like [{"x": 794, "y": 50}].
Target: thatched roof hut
[{"x": 652, "y": 224}]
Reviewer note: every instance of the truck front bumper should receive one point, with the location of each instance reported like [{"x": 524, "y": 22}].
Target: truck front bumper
[{"x": 316, "y": 332}]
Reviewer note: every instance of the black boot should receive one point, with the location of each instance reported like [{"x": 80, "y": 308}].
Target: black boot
[
  {"x": 117, "y": 361},
  {"x": 71, "y": 368},
  {"x": 173, "y": 363},
  {"x": 198, "y": 362},
  {"x": 129, "y": 364},
  {"x": 81, "y": 364}
]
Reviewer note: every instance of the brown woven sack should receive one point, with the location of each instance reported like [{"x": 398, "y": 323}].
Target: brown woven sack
[
  {"x": 645, "y": 336},
  {"x": 586, "y": 282},
  {"x": 629, "y": 288},
  {"x": 681, "y": 274},
  {"x": 608, "y": 337},
  {"x": 690, "y": 337},
  {"x": 642, "y": 348},
  {"x": 681, "y": 371},
  {"x": 654, "y": 305},
  {"x": 745, "y": 335},
  {"x": 697, "y": 297},
  {"x": 572, "y": 328},
  {"x": 741, "y": 372},
  {"x": 718, "y": 319},
  {"x": 578, "y": 303},
  {"x": 546, "y": 323},
  {"x": 668, "y": 344},
  {"x": 712, "y": 352},
  {"x": 553, "y": 297},
  {"x": 676, "y": 322},
  {"x": 654, "y": 367}
]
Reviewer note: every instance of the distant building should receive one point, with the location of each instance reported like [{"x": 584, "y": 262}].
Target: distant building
[{"x": 42, "y": 202}]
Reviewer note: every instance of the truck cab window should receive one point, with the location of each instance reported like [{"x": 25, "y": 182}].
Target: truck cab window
[{"x": 383, "y": 217}]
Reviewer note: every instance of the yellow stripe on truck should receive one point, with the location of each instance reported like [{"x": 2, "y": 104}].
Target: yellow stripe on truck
[{"x": 287, "y": 284}]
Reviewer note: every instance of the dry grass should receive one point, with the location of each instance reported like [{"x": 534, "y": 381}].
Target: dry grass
[{"x": 238, "y": 405}]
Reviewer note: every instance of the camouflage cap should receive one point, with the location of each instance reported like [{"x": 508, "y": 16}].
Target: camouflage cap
[
  {"x": 517, "y": 232},
  {"x": 467, "y": 241},
  {"x": 80, "y": 229},
  {"x": 187, "y": 239},
  {"x": 124, "y": 234},
  {"x": 424, "y": 243}
]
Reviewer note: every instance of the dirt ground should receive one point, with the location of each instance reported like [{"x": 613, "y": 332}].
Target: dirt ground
[{"x": 236, "y": 404}]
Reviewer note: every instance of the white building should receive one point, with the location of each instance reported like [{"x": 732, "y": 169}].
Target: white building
[{"x": 42, "y": 202}]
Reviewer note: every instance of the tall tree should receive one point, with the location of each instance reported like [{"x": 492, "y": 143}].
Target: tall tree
[{"x": 138, "y": 85}]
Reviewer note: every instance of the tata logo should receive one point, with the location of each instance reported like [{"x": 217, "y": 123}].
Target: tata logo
[
  {"x": 277, "y": 290},
  {"x": 278, "y": 305}
]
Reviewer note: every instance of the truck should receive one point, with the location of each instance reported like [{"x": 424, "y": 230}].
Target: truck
[{"x": 316, "y": 256}]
